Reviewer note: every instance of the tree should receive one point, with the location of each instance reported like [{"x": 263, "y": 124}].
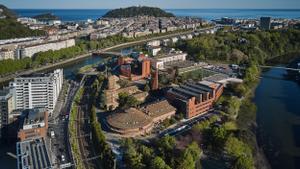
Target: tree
[
  {"x": 194, "y": 150},
  {"x": 165, "y": 148},
  {"x": 132, "y": 158},
  {"x": 147, "y": 88},
  {"x": 216, "y": 137},
  {"x": 126, "y": 101},
  {"x": 244, "y": 162},
  {"x": 232, "y": 107},
  {"x": 159, "y": 163},
  {"x": 240, "y": 152},
  {"x": 236, "y": 148}
]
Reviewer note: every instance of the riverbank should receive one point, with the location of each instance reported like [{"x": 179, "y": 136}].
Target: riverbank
[
  {"x": 277, "y": 100},
  {"x": 89, "y": 53}
]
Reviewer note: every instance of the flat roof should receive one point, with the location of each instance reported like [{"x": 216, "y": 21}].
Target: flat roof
[
  {"x": 33, "y": 154},
  {"x": 33, "y": 116},
  {"x": 216, "y": 77}
]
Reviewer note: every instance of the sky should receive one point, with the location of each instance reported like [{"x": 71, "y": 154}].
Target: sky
[{"x": 166, "y": 4}]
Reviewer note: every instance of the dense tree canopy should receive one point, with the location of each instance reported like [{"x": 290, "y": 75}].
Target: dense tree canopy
[
  {"x": 162, "y": 154},
  {"x": 239, "y": 47},
  {"x": 137, "y": 11},
  {"x": 10, "y": 29},
  {"x": 126, "y": 101}
]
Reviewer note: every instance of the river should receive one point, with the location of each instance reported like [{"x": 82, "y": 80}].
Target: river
[{"x": 278, "y": 118}]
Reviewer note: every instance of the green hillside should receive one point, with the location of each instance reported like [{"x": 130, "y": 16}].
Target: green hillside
[
  {"x": 46, "y": 17},
  {"x": 137, "y": 11},
  {"x": 10, "y": 28}
]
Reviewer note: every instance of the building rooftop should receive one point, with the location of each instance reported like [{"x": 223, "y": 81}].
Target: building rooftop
[
  {"x": 158, "y": 109},
  {"x": 129, "y": 119},
  {"x": 39, "y": 75},
  {"x": 193, "y": 89},
  {"x": 134, "y": 118},
  {"x": 216, "y": 77},
  {"x": 34, "y": 116},
  {"x": 33, "y": 154}
]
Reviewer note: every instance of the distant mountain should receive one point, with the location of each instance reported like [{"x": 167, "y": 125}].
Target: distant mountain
[
  {"x": 7, "y": 13},
  {"x": 46, "y": 17},
  {"x": 137, "y": 11},
  {"x": 10, "y": 28}
]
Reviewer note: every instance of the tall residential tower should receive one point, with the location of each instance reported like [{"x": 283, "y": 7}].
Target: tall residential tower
[{"x": 37, "y": 90}]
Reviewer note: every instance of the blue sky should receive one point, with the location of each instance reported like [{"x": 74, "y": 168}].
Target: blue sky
[{"x": 105, "y": 4}]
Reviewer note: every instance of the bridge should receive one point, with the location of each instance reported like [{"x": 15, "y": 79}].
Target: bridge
[
  {"x": 279, "y": 67},
  {"x": 108, "y": 53}
]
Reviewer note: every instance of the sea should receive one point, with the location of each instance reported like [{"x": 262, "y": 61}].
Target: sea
[{"x": 207, "y": 14}]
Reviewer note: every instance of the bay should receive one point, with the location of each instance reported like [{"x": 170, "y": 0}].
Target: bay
[{"x": 208, "y": 14}]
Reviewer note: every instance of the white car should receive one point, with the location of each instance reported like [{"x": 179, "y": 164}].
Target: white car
[
  {"x": 63, "y": 158},
  {"x": 52, "y": 134}
]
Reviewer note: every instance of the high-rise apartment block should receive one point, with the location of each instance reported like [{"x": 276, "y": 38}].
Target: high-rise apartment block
[
  {"x": 37, "y": 90},
  {"x": 265, "y": 23}
]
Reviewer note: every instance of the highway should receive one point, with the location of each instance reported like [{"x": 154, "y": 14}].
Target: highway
[{"x": 123, "y": 45}]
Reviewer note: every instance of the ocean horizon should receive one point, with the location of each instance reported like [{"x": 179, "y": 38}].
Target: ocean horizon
[{"x": 207, "y": 14}]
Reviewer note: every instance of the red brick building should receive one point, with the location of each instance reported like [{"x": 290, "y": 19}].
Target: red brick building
[
  {"x": 195, "y": 98},
  {"x": 154, "y": 80},
  {"x": 134, "y": 69}
]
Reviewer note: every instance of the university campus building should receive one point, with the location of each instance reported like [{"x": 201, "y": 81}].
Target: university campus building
[
  {"x": 139, "y": 121},
  {"x": 195, "y": 98}
]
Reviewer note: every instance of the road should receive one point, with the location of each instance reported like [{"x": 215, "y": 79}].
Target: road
[
  {"x": 58, "y": 123},
  {"x": 186, "y": 125},
  {"x": 123, "y": 45}
]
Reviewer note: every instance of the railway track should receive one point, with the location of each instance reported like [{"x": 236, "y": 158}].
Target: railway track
[
  {"x": 88, "y": 155},
  {"x": 80, "y": 139}
]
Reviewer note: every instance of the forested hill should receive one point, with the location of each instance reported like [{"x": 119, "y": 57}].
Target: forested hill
[
  {"x": 46, "y": 17},
  {"x": 137, "y": 11},
  {"x": 4, "y": 11},
  {"x": 10, "y": 28}
]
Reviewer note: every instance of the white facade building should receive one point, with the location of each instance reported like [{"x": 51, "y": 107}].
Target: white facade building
[
  {"x": 29, "y": 51},
  {"x": 173, "y": 57},
  {"x": 37, "y": 90},
  {"x": 7, "y": 54},
  {"x": 154, "y": 50},
  {"x": 153, "y": 43}
]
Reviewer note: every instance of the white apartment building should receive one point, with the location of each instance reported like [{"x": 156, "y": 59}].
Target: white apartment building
[
  {"x": 37, "y": 90},
  {"x": 153, "y": 43},
  {"x": 29, "y": 51},
  {"x": 154, "y": 50},
  {"x": 172, "y": 57},
  {"x": 6, "y": 54}
]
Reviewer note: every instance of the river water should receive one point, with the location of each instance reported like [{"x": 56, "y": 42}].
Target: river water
[{"x": 278, "y": 117}]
